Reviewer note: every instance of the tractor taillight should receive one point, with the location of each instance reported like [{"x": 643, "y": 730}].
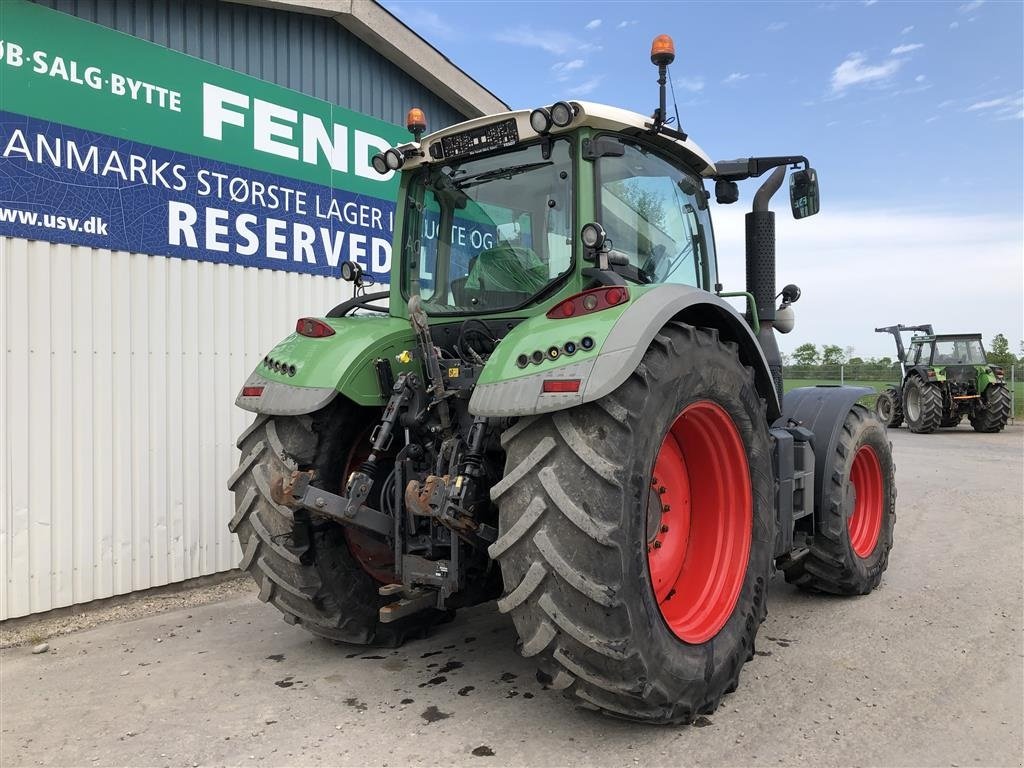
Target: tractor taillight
[
  {"x": 561, "y": 385},
  {"x": 252, "y": 391},
  {"x": 313, "y": 328},
  {"x": 593, "y": 300}
]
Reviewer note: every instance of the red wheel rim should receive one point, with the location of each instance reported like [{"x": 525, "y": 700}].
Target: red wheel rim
[
  {"x": 697, "y": 551},
  {"x": 865, "y": 522},
  {"x": 375, "y": 556}
]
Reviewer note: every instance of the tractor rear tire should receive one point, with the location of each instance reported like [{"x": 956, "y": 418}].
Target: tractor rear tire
[
  {"x": 327, "y": 591},
  {"x": 889, "y": 406},
  {"x": 589, "y": 500},
  {"x": 993, "y": 410},
  {"x": 849, "y": 551},
  {"x": 922, "y": 405}
]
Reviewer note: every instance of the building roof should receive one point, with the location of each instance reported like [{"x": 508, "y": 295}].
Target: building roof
[{"x": 379, "y": 29}]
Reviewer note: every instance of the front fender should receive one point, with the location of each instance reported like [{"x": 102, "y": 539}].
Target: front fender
[
  {"x": 621, "y": 337},
  {"x": 822, "y": 410}
]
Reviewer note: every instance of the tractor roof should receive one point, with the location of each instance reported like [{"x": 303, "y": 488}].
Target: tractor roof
[
  {"x": 589, "y": 114},
  {"x": 948, "y": 337}
]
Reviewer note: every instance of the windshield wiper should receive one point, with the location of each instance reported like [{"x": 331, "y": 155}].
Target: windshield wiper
[{"x": 498, "y": 173}]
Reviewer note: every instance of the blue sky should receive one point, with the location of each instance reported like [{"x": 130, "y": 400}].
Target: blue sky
[{"x": 911, "y": 112}]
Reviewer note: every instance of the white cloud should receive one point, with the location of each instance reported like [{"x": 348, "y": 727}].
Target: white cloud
[
  {"x": 561, "y": 69},
  {"x": 1003, "y": 108},
  {"x": 869, "y": 2},
  {"x": 907, "y": 30},
  {"x": 907, "y": 48},
  {"x": 692, "y": 84},
  {"x": 920, "y": 79},
  {"x": 777, "y": 26},
  {"x": 946, "y": 103},
  {"x": 551, "y": 41},
  {"x": 624, "y": 24},
  {"x": 971, "y": 6},
  {"x": 855, "y": 71},
  {"x": 735, "y": 77},
  {"x": 592, "y": 24},
  {"x": 954, "y": 25},
  {"x": 586, "y": 87},
  {"x": 932, "y": 119},
  {"x": 824, "y": 253}
]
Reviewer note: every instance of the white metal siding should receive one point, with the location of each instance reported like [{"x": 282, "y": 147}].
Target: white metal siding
[{"x": 119, "y": 375}]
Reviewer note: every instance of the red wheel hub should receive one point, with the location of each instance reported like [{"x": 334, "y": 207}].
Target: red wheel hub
[
  {"x": 699, "y": 545},
  {"x": 375, "y": 556},
  {"x": 865, "y": 521}
]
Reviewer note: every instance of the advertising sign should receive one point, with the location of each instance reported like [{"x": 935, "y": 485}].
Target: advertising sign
[{"x": 114, "y": 142}]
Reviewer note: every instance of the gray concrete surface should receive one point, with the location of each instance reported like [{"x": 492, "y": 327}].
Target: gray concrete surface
[{"x": 926, "y": 671}]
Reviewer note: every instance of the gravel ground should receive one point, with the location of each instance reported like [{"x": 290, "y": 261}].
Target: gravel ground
[{"x": 928, "y": 670}]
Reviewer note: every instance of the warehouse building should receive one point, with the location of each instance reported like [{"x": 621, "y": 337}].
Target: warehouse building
[{"x": 179, "y": 181}]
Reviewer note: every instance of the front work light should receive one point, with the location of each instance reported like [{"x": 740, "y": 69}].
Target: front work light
[
  {"x": 540, "y": 120},
  {"x": 593, "y": 235},
  {"x": 393, "y": 159},
  {"x": 562, "y": 113},
  {"x": 379, "y": 164}
]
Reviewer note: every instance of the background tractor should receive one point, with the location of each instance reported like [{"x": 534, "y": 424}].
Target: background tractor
[
  {"x": 945, "y": 377},
  {"x": 558, "y": 408}
]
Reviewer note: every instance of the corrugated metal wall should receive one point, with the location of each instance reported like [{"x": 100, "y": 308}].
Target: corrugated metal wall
[
  {"x": 119, "y": 375},
  {"x": 311, "y": 54},
  {"x": 119, "y": 370}
]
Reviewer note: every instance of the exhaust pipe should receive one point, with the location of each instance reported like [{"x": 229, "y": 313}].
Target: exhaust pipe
[{"x": 760, "y": 243}]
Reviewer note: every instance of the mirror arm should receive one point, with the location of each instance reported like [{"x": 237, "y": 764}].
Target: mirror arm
[{"x": 752, "y": 167}]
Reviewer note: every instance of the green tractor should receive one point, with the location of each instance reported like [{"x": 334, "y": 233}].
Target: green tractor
[
  {"x": 557, "y": 409},
  {"x": 945, "y": 377}
]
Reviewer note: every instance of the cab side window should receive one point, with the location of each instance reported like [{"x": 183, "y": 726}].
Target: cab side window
[{"x": 656, "y": 214}]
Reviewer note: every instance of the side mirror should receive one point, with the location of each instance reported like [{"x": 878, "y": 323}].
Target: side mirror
[
  {"x": 803, "y": 193},
  {"x": 726, "y": 192}
]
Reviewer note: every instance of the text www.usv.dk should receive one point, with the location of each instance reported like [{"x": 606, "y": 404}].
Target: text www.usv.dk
[{"x": 94, "y": 225}]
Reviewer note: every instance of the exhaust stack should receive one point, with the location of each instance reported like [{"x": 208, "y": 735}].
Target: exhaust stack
[{"x": 760, "y": 243}]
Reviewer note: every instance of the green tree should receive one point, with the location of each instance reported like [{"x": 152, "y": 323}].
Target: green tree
[
  {"x": 999, "y": 351},
  {"x": 806, "y": 354},
  {"x": 832, "y": 354}
]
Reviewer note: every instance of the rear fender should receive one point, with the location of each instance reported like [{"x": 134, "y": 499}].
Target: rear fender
[
  {"x": 822, "y": 410},
  {"x": 621, "y": 336},
  {"x": 310, "y": 372}
]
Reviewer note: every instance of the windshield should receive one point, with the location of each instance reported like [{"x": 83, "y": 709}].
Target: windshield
[
  {"x": 958, "y": 352},
  {"x": 656, "y": 214},
  {"x": 488, "y": 234}
]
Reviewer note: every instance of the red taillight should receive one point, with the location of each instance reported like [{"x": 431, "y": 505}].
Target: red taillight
[
  {"x": 593, "y": 300},
  {"x": 313, "y": 328},
  {"x": 252, "y": 391},
  {"x": 561, "y": 385}
]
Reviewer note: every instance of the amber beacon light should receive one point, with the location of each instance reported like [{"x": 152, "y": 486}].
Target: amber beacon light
[
  {"x": 663, "y": 51},
  {"x": 416, "y": 122}
]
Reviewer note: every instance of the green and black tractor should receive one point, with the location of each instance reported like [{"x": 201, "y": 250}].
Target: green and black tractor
[
  {"x": 945, "y": 377},
  {"x": 554, "y": 406}
]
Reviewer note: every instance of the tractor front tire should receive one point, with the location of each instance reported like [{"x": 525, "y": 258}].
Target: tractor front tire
[
  {"x": 636, "y": 533},
  {"x": 326, "y": 590},
  {"x": 993, "y": 410},
  {"x": 889, "y": 406},
  {"x": 849, "y": 551},
  {"x": 922, "y": 405}
]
